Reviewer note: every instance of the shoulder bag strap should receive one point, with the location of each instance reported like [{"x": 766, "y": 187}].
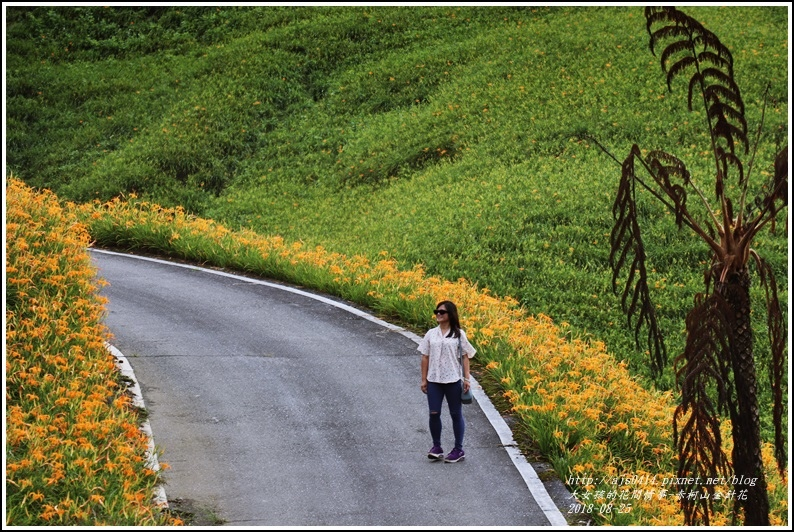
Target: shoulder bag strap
[{"x": 460, "y": 357}]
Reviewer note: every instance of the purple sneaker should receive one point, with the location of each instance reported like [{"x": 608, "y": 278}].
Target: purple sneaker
[
  {"x": 436, "y": 453},
  {"x": 456, "y": 455}
]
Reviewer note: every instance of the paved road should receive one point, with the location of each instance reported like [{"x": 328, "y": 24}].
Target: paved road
[{"x": 277, "y": 409}]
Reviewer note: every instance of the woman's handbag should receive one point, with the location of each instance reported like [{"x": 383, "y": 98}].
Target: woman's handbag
[{"x": 466, "y": 397}]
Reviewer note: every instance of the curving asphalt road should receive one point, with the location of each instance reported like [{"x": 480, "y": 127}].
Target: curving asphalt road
[{"x": 275, "y": 407}]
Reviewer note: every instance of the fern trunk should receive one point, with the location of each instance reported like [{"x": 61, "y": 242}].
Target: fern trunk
[{"x": 747, "y": 462}]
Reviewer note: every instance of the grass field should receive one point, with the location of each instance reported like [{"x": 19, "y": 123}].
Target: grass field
[{"x": 447, "y": 137}]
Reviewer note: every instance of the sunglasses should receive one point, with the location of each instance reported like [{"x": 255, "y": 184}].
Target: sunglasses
[{"x": 439, "y": 311}]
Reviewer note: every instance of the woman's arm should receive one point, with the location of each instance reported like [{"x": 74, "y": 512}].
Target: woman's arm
[
  {"x": 425, "y": 364},
  {"x": 466, "y": 373}
]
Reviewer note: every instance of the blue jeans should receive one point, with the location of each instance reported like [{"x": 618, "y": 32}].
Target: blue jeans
[{"x": 436, "y": 392}]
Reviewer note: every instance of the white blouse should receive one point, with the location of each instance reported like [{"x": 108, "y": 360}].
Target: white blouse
[{"x": 444, "y": 364}]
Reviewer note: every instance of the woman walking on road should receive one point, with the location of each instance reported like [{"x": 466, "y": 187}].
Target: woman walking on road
[{"x": 443, "y": 376}]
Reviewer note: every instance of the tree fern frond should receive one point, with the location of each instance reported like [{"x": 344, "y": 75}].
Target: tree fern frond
[
  {"x": 719, "y": 93},
  {"x": 712, "y": 63},
  {"x": 654, "y": 14},
  {"x": 780, "y": 180},
  {"x": 711, "y": 44},
  {"x": 729, "y": 207},
  {"x": 722, "y": 129},
  {"x": 719, "y": 110},
  {"x": 668, "y": 165},
  {"x": 677, "y": 47},
  {"x": 709, "y": 339},
  {"x": 699, "y": 442},
  {"x": 707, "y": 56},
  {"x": 678, "y": 27},
  {"x": 724, "y": 78},
  {"x": 695, "y": 86},
  {"x": 626, "y": 242},
  {"x": 678, "y": 68},
  {"x": 727, "y": 158},
  {"x": 669, "y": 32},
  {"x": 776, "y": 190},
  {"x": 777, "y": 341},
  {"x": 698, "y": 434},
  {"x": 664, "y": 166}
]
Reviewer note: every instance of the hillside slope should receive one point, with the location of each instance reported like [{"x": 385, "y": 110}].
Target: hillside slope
[{"x": 448, "y": 136}]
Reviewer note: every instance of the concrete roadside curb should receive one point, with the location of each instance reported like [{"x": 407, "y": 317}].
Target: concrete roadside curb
[{"x": 159, "y": 498}]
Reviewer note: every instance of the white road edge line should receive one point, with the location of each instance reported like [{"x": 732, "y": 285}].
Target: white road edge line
[
  {"x": 531, "y": 479},
  {"x": 152, "y": 462}
]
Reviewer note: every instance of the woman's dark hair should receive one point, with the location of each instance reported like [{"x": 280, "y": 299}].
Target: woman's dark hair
[{"x": 454, "y": 321}]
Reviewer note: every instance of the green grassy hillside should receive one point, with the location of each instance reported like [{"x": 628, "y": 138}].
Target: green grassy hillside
[{"x": 447, "y": 136}]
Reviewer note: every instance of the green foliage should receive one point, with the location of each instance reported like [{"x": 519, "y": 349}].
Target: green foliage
[{"x": 447, "y": 136}]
